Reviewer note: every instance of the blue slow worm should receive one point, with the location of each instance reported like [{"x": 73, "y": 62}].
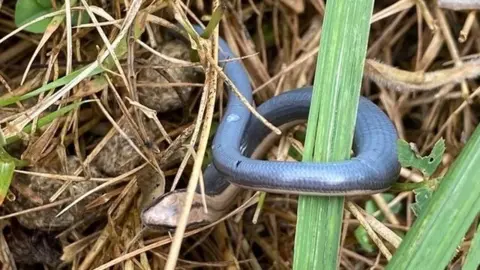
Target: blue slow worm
[{"x": 373, "y": 169}]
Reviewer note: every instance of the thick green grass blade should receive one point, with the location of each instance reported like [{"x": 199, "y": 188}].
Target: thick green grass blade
[
  {"x": 473, "y": 258},
  {"x": 433, "y": 238},
  {"x": 331, "y": 124}
]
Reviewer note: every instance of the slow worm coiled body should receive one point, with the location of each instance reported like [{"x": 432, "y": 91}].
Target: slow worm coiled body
[{"x": 374, "y": 168}]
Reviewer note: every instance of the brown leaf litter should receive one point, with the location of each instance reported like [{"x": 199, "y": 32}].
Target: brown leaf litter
[{"x": 99, "y": 164}]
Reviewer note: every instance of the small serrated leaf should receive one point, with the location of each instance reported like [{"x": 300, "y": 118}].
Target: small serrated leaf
[
  {"x": 428, "y": 164},
  {"x": 406, "y": 155},
  {"x": 436, "y": 155},
  {"x": 422, "y": 197}
]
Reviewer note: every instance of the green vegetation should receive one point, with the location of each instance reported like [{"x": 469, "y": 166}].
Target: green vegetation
[{"x": 331, "y": 122}]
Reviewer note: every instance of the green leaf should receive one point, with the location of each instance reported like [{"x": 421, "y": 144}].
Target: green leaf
[
  {"x": 422, "y": 197},
  {"x": 427, "y": 165},
  {"x": 6, "y": 174},
  {"x": 364, "y": 240},
  {"x": 120, "y": 50},
  {"x": 292, "y": 152},
  {"x": 7, "y": 168},
  {"x": 267, "y": 34},
  {"x": 472, "y": 262},
  {"x": 402, "y": 187},
  {"x": 6, "y": 157},
  {"x": 9, "y": 163},
  {"x": 446, "y": 218},
  {"x": 28, "y": 10},
  {"x": 300, "y": 135},
  {"x": 44, "y": 3},
  {"x": 214, "y": 20},
  {"x": 84, "y": 19}
]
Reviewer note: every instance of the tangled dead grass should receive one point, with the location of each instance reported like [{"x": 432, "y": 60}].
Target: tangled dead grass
[{"x": 421, "y": 68}]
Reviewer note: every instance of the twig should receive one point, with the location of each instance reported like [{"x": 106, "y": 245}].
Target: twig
[
  {"x": 459, "y": 4},
  {"x": 353, "y": 209},
  {"x": 165, "y": 240},
  {"x": 467, "y": 26},
  {"x": 210, "y": 90}
]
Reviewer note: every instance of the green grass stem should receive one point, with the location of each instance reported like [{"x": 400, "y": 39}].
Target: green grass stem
[
  {"x": 331, "y": 123},
  {"x": 472, "y": 261}
]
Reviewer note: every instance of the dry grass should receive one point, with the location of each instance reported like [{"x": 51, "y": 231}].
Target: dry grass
[{"x": 422, "y": 69}]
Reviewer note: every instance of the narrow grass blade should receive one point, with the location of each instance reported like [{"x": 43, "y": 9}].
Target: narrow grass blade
[
  {"x": 435, "y": 235},
  {"x": 52, "y": 85},
  {"x": 331, "y": 124},
  {"x": 3, "y": 141},
  {"x": 47, "y": 119},
  {"x": 7, "y": 167},
  {"x": 120, "y": 51}
]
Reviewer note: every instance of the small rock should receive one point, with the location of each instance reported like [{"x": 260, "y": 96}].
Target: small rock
[
  {"x": 118, "y": 156},
  {"x": 163, "y": 99},
  {"x": 32, "y": 247},
  {"x": 44, "y": 188}
]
